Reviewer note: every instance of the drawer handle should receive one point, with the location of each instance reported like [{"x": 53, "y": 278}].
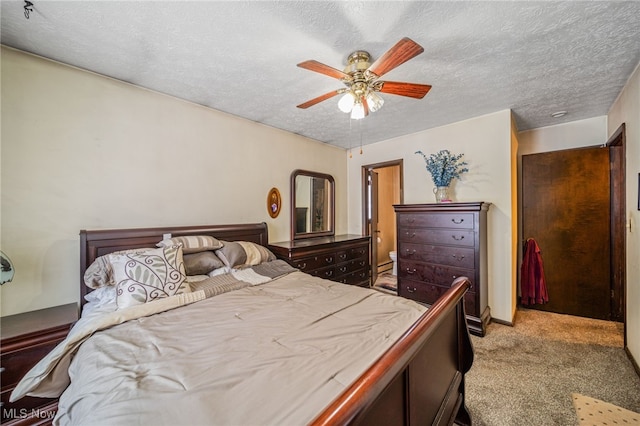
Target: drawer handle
[
  {"x": 456, "y": 257},
  {"x": 409, "y": 271},
  {"x": 362, "y": 263},
  {"x": 457, "y": 221},
  {"x": 302, "y": 266},
  {"x": 328, "y": 259},
  {"x": 413, "y": 234},
  {"x": 458, "y": 237},
  {"x": 342, "y": 256},
  {"x": 411, "y": 220},
  {"x": 343, "y": 269},
  {"x": 328, "y": 273},
  {"x": 410, "y": 252},
  {"x": 411, "y": 290}
]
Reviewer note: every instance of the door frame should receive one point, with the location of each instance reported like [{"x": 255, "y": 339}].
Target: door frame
[
  {"x": 366, "y": 229},
  {"x": 617, "y": 170}
]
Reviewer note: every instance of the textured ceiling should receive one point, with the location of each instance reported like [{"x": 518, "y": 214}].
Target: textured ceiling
[{"x": 240, "y": 57}]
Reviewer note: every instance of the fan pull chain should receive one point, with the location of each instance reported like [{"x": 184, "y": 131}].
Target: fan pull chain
[{"x": 360, "y": 125}]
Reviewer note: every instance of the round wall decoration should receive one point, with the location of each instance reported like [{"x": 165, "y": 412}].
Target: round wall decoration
[{"x": 274, "y": 202}]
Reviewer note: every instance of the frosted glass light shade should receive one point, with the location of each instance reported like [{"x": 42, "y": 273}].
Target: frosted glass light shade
[
  {"x": 357, "y": 112},
  {"x": 374, "y": 101},
  {"x": 346, "y": 102}
]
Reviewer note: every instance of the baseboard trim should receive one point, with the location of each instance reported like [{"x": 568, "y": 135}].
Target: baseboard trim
[
  {"x": 499, "y": 321},
  {"x": 633, "y": 361}
]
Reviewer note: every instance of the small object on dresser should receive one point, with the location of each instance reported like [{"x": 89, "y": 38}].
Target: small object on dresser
[{"x": 26, "y": 339}]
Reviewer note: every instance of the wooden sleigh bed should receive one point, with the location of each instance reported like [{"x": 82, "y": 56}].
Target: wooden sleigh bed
[{"x": 418, "y": 380}]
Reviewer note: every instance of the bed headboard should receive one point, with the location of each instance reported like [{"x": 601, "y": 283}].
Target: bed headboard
[{"x": 100, "y": 242}]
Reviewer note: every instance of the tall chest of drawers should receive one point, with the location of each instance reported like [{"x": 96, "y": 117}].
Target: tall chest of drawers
[
  {"x": 438, "y": 243},
  {"x": 341, "y": 258}
]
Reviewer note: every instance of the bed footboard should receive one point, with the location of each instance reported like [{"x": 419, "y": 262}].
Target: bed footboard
[{"x": 420, "y": 379}]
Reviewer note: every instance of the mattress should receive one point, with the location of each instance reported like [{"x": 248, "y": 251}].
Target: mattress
[{"x": 275, "y": 352}]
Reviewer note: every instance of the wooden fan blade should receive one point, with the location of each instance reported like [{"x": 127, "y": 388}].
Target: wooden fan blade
[
  {"x": 319, "y": 99},
  {"x": 412, "y": 90},
  {"x": 324, "y": 69},
  {"x": 404, "y": 50},
  {"x": 365, "y": 105}
]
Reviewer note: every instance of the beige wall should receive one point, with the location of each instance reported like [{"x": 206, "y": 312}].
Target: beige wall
[
  {"x": 486, "y": 144},
  {"x": 81, "y": 151},
  {"x": 626, "y": 110}
]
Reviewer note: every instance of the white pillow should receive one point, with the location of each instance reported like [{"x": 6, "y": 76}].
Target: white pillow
[{"x": 147, "y": 276}]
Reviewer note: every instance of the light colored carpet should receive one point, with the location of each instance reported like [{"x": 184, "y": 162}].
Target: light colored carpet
[
  {"x": 593, "y": 412},
  {"x": 526, "y": 374}
]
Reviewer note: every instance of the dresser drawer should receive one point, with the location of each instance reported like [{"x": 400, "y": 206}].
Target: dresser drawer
[
  {"x": 433, "y": 273},
  {"x": 308, "y": 264},
  {"x": 462, "y": 257},
  {"x": 454, "y": 237},
  {"x": 358, "y": 252},
  {"x": 17, "y": 363},
  {"x": 329, "y": 273},
  {"x": 360, "y": 278},
  {"x": 437, "y": 220},
  {"x": 429, "y": 293}
]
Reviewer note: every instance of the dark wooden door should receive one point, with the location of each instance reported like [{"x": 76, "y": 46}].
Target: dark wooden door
[{"x": 566, "y": 209}]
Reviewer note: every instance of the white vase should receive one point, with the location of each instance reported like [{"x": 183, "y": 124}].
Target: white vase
[{"x": 442, "y": 194}]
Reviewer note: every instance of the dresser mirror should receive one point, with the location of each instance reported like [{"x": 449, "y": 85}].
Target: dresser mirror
[{"x": 312, "y": 204}]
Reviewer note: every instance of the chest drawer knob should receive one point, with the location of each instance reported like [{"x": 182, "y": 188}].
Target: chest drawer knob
[
  {"x": 343, "y": 269},
  {"x": 458, "y": 258},
  {"x": 301, "y": 265},
  {"x": 411, "y": 271},
  {"x": 342, "y": 256},
  {"x": 458, "y": 237},
  {"x": 410, "y": 252},
  {"x": 457, "y": 221},
  {"x": 329, "y": 259},
  {"x": 328, "y": 273},
  {"x": 410, "y": 234},
  {"x": 411, "y": 290}
]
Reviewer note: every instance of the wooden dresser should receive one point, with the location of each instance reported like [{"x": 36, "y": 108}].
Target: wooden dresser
[
  {"x": 341, "y": 258},
  {"x": 438, "y": 243},
  {"x": 26, "y": 339}
]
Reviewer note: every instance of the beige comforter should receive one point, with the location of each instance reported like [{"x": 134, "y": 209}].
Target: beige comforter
[{"x": 272, "y": 353}]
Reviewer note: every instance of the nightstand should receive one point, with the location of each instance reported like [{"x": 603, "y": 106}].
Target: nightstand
[{"x": 26, "y": 339}]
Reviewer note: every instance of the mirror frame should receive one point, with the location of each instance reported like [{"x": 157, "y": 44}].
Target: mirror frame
[{"x": 331, "y": 197}]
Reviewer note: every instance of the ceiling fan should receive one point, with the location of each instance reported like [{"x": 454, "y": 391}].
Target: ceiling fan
[{"x": 361, "y": 78}]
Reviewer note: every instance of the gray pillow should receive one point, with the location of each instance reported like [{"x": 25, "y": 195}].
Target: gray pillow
[
  {"x": 201, "y": 263},
  {"x": 192, "y": 243},
  {"x": 240, "y": 253}
]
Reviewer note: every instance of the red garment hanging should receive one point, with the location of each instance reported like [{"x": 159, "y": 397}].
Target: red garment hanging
[{"x": 533, "y": 286}]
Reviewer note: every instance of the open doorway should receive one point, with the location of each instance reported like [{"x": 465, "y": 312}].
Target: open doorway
[{"x": 382, "y": 188}]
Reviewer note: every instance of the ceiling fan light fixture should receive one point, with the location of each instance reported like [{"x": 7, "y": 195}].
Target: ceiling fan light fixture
[
  {"x": 346, "y": 103},
  {"x": 374, "y": 101},
  {"x": 357, "y": 112}
]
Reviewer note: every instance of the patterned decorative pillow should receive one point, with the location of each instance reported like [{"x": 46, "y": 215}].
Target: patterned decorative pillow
[
  {"x": 201, "y": 263},
  {"x": 147, "y": 276},
  {"x": 192, "y": 243},
  {"x": 100, "y": 273},
  {"x": 240, "y": 253}
]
